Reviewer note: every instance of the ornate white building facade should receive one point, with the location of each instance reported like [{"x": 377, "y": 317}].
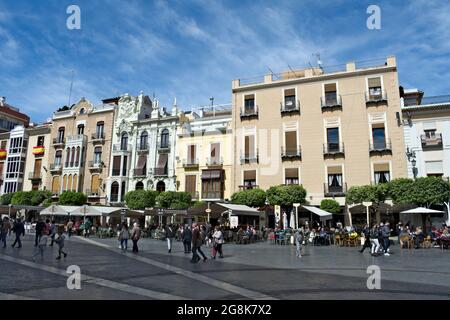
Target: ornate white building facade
[{"x": 143, "y": 147}]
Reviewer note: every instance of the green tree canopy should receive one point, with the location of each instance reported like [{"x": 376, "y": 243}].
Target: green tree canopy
[
  {"x": 6, "y": 198},
  {"x": 72, "y": 198},
  {"x": 174, "y": 200},
  {"x": 22, "y": 198},
  {"x": 423, "y": 191},
  {"x": 252, "y": 197},
  {"x": 401, "y": 190},
  {"x": 39, "y": 196},
  {"x": 140, "y": 199},
  {"x": 369, "y": 193},
  {"x": 330, "y": 205},
  {"x": 286, "y": 195}
]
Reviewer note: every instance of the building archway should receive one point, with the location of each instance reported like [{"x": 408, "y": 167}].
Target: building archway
[
  {"x": 160, "y": 186},
  {"x": 139, "y": 185},
  {"x": 114, "y": 191}
]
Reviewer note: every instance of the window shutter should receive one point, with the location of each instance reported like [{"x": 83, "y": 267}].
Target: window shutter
[
  {"x": 374, "y": 82},
  {"x": 434, "y": 166}
]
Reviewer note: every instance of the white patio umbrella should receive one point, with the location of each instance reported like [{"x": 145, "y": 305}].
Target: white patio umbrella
[
  {"x": 292, "y": 220},
  {"x": 285, "y": 224},
  {"x": 421, "y": 210},
  {"x": 54, "y": 210},
  {"x": 86, "y": 211}
]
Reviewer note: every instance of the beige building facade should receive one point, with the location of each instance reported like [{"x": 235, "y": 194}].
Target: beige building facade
[
  {"x": 327, "y": 131},
  {"x": 204, "y": 153},
  {"x": 80, "y": 149}
]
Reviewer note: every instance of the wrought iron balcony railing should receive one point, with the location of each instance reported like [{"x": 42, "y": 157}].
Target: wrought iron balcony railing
[
  {"x": 335, "y": 191},
  {"x": 290, "y": 153},
  {"x": 333, "y": 148}
]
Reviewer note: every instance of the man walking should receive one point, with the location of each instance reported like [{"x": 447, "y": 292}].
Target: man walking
[
  {"x": 374, "y": 240},
  {"x": 5, "y": 230},
  {"x": 366, "y": 244},
  {"x": 69, "y": 228},
  {"x": 170, "y": 234},
  {"x": 19, "y": 230},
  {"x": 187, "y": 238},
  {"x": 197, "y": 242},
  {"x": 386, "y": 233},
  {"x": 135, "y": 236},
  {"x": 52, "y": 232},
  {"x": 298, "y": 236}
]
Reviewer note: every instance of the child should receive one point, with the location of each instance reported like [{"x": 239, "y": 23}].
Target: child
[{"x": 60, "y": 242}]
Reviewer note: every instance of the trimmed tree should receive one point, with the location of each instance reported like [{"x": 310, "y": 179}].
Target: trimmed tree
[
  {"x": 140, "y": 199},
  {"x": 330, "y": 205},
  {"x": 6, "y": 198},
  {"x": 174, "y": 200},
  {"x": 286, "y": 195},
  {"x": 22, "y": 198},
  {"x": 72, "y": 198},
  {"x": 38, "y": 197},
  {"x": 255, "y": 198}
]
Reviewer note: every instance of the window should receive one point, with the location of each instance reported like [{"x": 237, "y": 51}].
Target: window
[
  {"x": 58, "y": 157},
  {"x": 64, "y": 186},
  {"x": 69, "y": 183},
  {"x": 139, "y": 185},
  {"x": 212, "y": 184},
  {"x": 249, "y": 147},
  {"x": 77, "y": 157},
  {"x": 165, "y": 138},
  {"x": 14, "y": 168},
  {"x": 40, "y": 141},
  {"x": 95, "y": 184},
  {"x": 161, "y": 167},
  {"x": 331, "y": 97},
  {"x": 215, "y": 153},
  {"x": 75, "y": 183},
  {"x": 191, "y": 154},
  {"x": 249, "y": 104},
  {"x": 124, "y": 142},
  {"x": 56, "y": 185},
  {"x": 15, "y": 145},
  {"x": 333, "y": 139},
  {"x": 122, "y": 192},
  {"x": 335, "y": 183},
  {"x": 375, "y": 91},
  {"x": 100, "y": 130},
  {"x": 114, "y": 191},
  {"x": 289, "y": 99},
  {"x": 379, "y": 138},
  {"x": 80, "y": 129},
  {"x": 249, "y": 179},
  {"x": 60, "y": 137},
  {"x": 141, "y": 167},
  {"x": 160, "y": 186},
  {"x": 434, "y": 168},
  {"x": 291, "y": 143},
  {"x": 67, "y": 157},
  {"x": 124, "y": 166},
  {"x": 98, "y": 155},
  {"x": 430, "y": 134},
  {"x": 116, "y": 166},
  {"x": 143, "y": 145},
  {"x": 82, "y": 111},
  {"x": 291, "y": 176},
  {"x": 381, "y": 173},
  {"x": 190, "y": 185}
]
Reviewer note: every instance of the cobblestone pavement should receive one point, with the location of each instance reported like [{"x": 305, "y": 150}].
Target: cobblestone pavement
[{"x": 253, "y": 271}]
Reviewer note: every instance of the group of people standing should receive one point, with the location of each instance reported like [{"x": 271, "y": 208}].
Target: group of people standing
[{"x": 377, "y": 239}]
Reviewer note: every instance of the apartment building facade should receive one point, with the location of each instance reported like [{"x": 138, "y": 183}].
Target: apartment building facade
[
  {"x": 80, "y": 151},
  {"x": 427, "y": 133},
  {"x": 37, "y": 158},
  {"x": 143, "y": 147},
  {"x": 327, "y": 131},
  {"x": 11, "y": 116},
  {"x": 204, "y": 153}
]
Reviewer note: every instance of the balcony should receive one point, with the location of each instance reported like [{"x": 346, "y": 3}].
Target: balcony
[
  {"x": 160, "y": 172},
  {"x": 214, "y": 162},
  {"x": 38, "y": 150},
  {"x": 77, "y": 139},
  {"x": 433, "y": 142},
  {"x": 142, "y": 148},
  {"x": 212, "y": 195},
  {"x": 334, "y": 191},
  {"x": 95, "y": 165},
  {"x": 290, "y": 107},
  {"x": 331, "y": 102},
  {"x": 380, "y": 147},
  {"x": 56, "y": 167},
  {"x": 140, "y": 172},
  {"x": 249, "y": 158},
  {"x": 93, "y": 193},
  {"x": 249, "y": 113},
  {"x": 248, "y": 187},
  {"x": 59, "y": 142},
  {"x": 333, "y": 149},
  {"x": 291, "y": 153},
  {"x": 190, "y": 163},
  {"x": 375, "y": 98},
  {"x": 163, "y": 147},
  {"x": 122, "y": 147},
  {"x": 34, "y": 176},
  {"x": 116, "y": 172},
  {"x": 98, "y": 138}
]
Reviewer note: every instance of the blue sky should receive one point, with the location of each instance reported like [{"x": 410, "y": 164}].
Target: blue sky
[{"x": 192, "y": 50}]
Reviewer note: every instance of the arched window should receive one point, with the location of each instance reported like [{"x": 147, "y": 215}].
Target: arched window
[
  {"x": 139, "y": 185},
  {"x": 82, "y": 111},
  {"x": 60, "y": 138},
  {"x": 56, "y": 185},
  {"x": 75, "y": 183},
  {"x": 72, "y": 156},
  {"x": 64, "y": 182},
  {"x": 95, "y": 183},
  {"x": 114, "y": 191},
  {"x": 77, "y": 157},
  {"x": 124, "y": 141},
  {"x": 69, "y": 182},
  {"x": 144, "y": 141},
  {"x": 80, "y": 129},
  {"x": 122, "y": 192},
  {"x": 161, "y": 186},
  {"x": 165, "y": 138},
  {"x": 67, "y": 157}
]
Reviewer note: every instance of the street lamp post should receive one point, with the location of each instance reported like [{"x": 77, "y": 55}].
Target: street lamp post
[{"x": 411, "y": 155}]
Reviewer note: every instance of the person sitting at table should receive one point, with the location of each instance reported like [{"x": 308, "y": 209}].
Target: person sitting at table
[{"x": 418, "y": 237}]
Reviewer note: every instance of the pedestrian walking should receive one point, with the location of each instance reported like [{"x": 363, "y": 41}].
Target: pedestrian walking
[
  {"x": 135, "y": 236},
  {"x": 5, "y": 230},
  {"x": 187, "y": 238},
  {"x": 52, "y": 232},
  {"x": 217, "y": 242},
  {"x": 19, "y": 230},
  {"x": 170, "y": 235},
  {"x": 40, "y": 226},
  {"x": 367, "y": 243},
  {"x": 87, "y": 227},
  {"x": 43, "y": 238},
  {"x": 374, "y": 240},
  {"x": 299, "y": 235},
  {"x": 124, "y": 235},
  {"x": 386, "y": 233},
  {"x": 69, "y": 228},
  {"x": 60, "y": 239},
  {"x": 197, "y": 241}
]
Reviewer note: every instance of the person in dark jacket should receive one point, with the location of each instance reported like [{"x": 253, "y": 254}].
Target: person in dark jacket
[
  {"x": 197, "y": 241},
  {"x": 170, "y": 235},
  {"x": 367, "y": 243},
  {"x": 386, "y": 233},
  {"x": 40, "y": 225},
  {"x": 19, "y": 230},
  {"x": 187, "y": 238}
]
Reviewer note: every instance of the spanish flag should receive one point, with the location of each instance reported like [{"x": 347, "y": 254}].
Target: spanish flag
[
  {"x": 38, "y": 150},
  {"x": 2, "y": 153}
]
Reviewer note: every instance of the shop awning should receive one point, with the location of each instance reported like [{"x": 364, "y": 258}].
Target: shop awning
[
  {"x": 211, "y": 174},
  {"x": 324, "y": 215}
]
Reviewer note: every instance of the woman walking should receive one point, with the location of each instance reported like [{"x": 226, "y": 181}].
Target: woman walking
[
  {"x": 374, "y": 233},
  {"x": 135, "y": 236},
  {"x": 124, "y": 234},
  {"x": 217, "y": 239}
]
